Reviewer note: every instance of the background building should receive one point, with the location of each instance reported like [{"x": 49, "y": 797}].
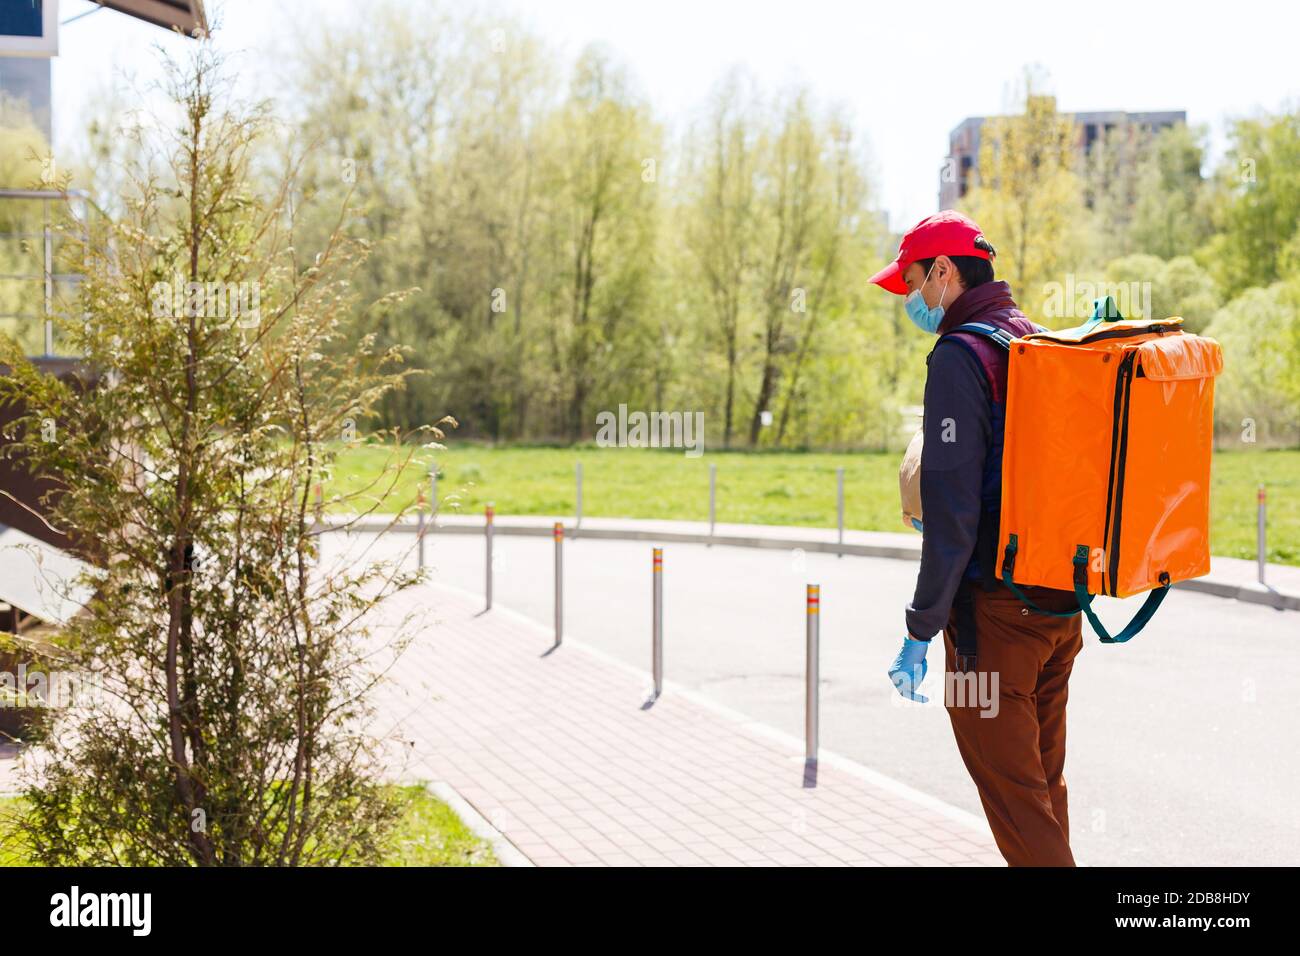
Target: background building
[
  {"x": 959, "y": 171},
  {"x": 29, "y": 38}
]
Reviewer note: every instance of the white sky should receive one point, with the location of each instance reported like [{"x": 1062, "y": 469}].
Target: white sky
[{"x": 908, "y": 73}]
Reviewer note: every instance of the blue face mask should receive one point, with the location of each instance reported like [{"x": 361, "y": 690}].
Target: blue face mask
[{"x": 924, "y": 317}]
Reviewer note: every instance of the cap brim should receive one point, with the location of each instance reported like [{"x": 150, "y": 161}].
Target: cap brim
[{"x": 890, "y": 279}]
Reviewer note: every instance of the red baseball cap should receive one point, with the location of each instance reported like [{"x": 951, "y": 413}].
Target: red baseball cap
[{"x": 946, "y": 233}]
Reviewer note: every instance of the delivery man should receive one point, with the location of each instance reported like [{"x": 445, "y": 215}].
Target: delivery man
[{"x": 1011, "y": 735}]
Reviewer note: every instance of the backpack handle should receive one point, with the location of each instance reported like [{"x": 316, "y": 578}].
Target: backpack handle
[
  {"x": 1140, "y": 619},
  {"x": 1009, "y": 568},
  {"x": 1130, "y": 630},
  {"x": 1104, "y": 309}
]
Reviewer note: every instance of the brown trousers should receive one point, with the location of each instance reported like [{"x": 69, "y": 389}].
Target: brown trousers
[{"x": 1017, "y": 756}]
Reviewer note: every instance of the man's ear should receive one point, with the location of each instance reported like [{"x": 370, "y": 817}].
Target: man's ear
[{"x": 945, "y": 270}]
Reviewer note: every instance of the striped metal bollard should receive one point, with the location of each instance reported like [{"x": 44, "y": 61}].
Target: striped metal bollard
[
  {"x": 559, "y": 582},
  {"x": 488, "y": 514},
  {"x": 812, "y": 668},
  {"x": 657, "y": 570}
]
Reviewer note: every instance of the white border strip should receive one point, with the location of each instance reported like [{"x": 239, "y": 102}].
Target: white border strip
[{"x": 506, "y": 852}]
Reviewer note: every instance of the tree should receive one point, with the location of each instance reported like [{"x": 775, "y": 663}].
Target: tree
[
  {"x": 525, "y": 215},
  {"x": 432, "y": 126},
  {"x": 1258, "y": 393},
  {"x": 793, "y": 210},
  {"x": 1177, "y": 287},
  {"x": 720, "y": 217},
  {"x": 1260, "y": 208},
  {"x": 778, "y": 231},
  {"x": 1110, "y": 180},
  {"x": 601, "y": 216},
  {"x": 235, "y": 670},
  {"x": 1171, "y": 213},
  {"x": 1029, "y": 199},
  {"x": 832, "y": 310}
]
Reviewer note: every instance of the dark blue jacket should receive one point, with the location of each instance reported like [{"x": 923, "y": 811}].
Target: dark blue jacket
[{"x": 961, "y": 458}]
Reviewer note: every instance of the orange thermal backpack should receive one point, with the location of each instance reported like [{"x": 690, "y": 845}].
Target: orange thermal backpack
[{"x": 1106, "y": 461}]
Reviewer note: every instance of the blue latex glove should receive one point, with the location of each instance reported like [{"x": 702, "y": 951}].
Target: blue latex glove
[
  {"x": 916, "y": 524},
  {"x": 908, "y": 669}
]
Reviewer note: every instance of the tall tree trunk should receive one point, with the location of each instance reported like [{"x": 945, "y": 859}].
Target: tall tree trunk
[{"x": 182, "y": 700}]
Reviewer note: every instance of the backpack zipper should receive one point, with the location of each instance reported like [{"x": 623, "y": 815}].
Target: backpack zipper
[
  {"x": 1117, "y": 333},
  {"x": 1118, "y": 458}
]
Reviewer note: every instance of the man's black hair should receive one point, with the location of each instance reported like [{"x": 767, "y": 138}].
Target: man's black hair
[{"x": 972, "y": 269}]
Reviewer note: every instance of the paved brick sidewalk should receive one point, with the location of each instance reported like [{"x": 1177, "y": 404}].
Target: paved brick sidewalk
[{"x": 558, "y": 752}]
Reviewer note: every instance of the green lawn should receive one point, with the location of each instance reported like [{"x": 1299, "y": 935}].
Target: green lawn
[
  {"x": 788, "y": 488},
  {"x": 429, "y": 834}
]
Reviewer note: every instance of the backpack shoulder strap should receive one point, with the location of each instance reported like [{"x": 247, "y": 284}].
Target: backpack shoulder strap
[
  {"x": 991, "y": 332},
  {"x": 1001, "y": 336}
]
